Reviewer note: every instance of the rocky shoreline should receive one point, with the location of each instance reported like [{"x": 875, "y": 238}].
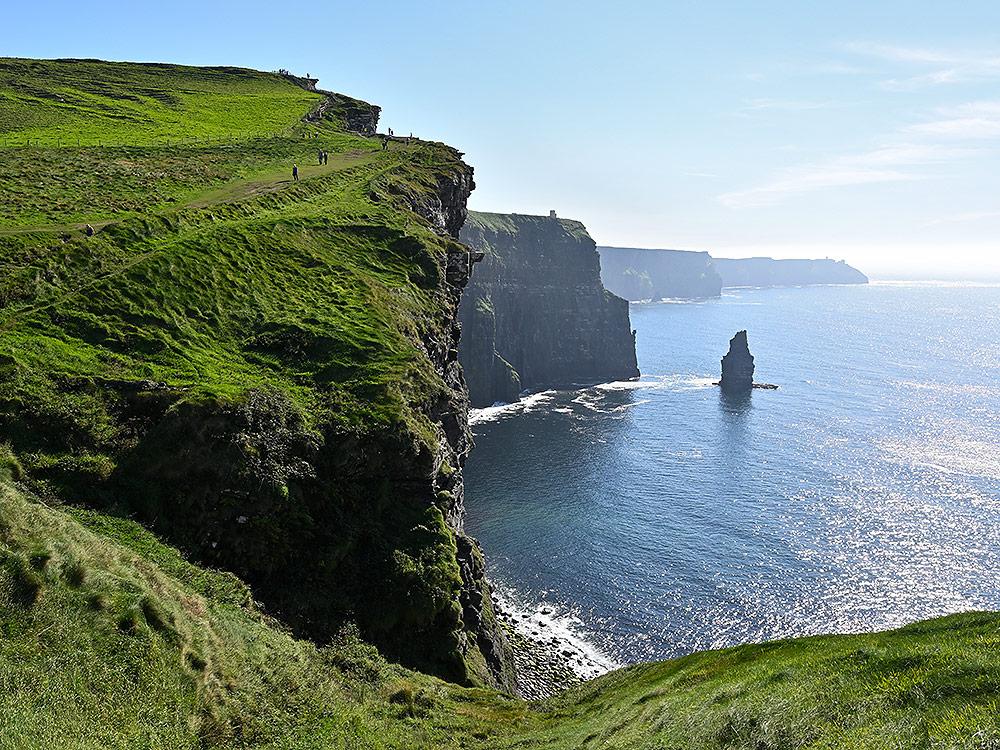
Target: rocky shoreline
[{"x": 548, "y": 658}]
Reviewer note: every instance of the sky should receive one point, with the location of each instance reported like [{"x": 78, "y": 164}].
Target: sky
[{"x": 866, "y": 131}]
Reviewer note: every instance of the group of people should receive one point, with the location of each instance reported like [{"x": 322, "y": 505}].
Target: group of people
[{"x": 324, "y": 157}]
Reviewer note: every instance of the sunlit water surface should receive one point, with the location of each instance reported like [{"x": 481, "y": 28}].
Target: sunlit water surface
[{"x": 659, "y": 518}]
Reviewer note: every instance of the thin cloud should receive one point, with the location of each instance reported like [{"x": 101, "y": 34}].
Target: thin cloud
[
  {"x": 949, "y": 67},
  {"x": 903, "y": 157},
  {"x": 971, "y": 121},
  {"x": 890, "y": 163},
  {"x": 807, "y": 179},
  {"x": 789, "y": 105},
  {"x": 963, "y": 218}
]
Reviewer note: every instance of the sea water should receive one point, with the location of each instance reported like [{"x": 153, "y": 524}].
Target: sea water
[{"x": 658, "y": 517}]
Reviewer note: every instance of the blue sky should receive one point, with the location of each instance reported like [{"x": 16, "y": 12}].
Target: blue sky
[{"x": 861, "y": 130}]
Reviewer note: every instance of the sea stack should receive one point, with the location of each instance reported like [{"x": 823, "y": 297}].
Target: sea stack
[{"x": 737, "y": 366}]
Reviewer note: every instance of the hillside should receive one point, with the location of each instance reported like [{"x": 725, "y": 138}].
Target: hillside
[{"x": 261, "y": 369}]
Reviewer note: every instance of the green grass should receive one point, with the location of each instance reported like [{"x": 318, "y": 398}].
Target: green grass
[
  {"x": 143, "y": 649},
  {"x": 89, "y": 102}
]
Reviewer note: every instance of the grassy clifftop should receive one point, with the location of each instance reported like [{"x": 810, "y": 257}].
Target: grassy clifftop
[{"x": 90, "y": 102}]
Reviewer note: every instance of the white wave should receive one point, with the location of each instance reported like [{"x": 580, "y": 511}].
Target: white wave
[
  {"x": 556, "y": 631},
  {"x": 658, "y": 382},
  {"x": 501, "y": 410}
]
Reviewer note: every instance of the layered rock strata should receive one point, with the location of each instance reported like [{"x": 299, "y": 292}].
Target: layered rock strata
[{"x": 535, "y": 313}]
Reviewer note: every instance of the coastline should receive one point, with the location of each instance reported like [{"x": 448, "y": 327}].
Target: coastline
[{"x": 549, "y": 655}]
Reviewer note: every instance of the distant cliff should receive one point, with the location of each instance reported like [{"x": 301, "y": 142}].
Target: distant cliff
[
  {"x": 535, "y": 312},
  {"x": 640, "y": 274},
  {"x": 771, "y": 272},
  {"x": 637, "y": 273}
]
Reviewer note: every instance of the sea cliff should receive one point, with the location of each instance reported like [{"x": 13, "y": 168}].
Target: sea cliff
[
  {"x": 786, "y": 272},
  {"x": 639, "y": 274},
  {"x": 535, "y": 313},
  {"x": 643, "y": 274},
  {"x": 265, "y": 375}
]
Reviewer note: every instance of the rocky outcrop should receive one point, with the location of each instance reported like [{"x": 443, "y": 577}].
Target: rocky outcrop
[
  {"x": 764, "y": 272},
  {"x": 535, "y": 313},
  {"x": 355, "y": 115},
  {"x": 639, "y": 274},
  {"x": 737, "y": 366}
]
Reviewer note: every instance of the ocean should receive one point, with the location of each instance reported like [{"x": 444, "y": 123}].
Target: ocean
[{"x": 654, "y": 518}]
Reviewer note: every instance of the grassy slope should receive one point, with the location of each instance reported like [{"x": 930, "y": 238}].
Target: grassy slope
[
  {"x": 213, "y": 253},
  {"x": 87, "y": 102},
  {"x": 109, "y": 639},
  {"x": 112, "y": 640},
  {"x": 212, "y": 274}
]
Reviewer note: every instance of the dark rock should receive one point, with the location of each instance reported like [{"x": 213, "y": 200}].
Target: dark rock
[
  {"x": 355, "y": 115},
  {"x": 535, "y": 313},
  {"x": 737, "y": 366}
]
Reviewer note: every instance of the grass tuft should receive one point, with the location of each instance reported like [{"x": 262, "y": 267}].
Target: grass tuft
[
  {"x": 155, "y": 615},
  {"x": 25, "y": 582},
  {"x": 75, "y": 574}
]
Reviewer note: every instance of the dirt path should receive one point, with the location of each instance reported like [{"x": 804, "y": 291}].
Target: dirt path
[{"x": 231, "y": 192}]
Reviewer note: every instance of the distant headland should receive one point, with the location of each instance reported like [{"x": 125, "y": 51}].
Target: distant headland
[{"x": 642, "y": 274}]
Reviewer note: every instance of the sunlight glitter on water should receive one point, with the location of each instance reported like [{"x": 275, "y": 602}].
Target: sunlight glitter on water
[{"x": 863, "y": 494}]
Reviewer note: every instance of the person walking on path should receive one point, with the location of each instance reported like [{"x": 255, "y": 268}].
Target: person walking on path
[
  {"x": 295, "y": 172},
  {"x": 319, "y": 156},
  {"x": 385, "y": 143}
]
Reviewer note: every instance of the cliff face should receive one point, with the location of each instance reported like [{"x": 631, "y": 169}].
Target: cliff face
[
  {"x": 771, "y": 272},
  {"x": 636, "y": 274},
  {"x": 535, "y": 312},
  {"x": 273, "y": 386},
  {"x": 639, "y": 274}
]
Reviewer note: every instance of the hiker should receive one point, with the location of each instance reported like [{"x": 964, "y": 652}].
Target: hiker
[
  {"x": 390, "y": 132},
  {"x": 88, "y": 230},
  {"x": 385, "y": 143},
  {"x": 319, "y": 156},
  {"x": 295, "y": 172},
  {"x": 326, "y": 158}
]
